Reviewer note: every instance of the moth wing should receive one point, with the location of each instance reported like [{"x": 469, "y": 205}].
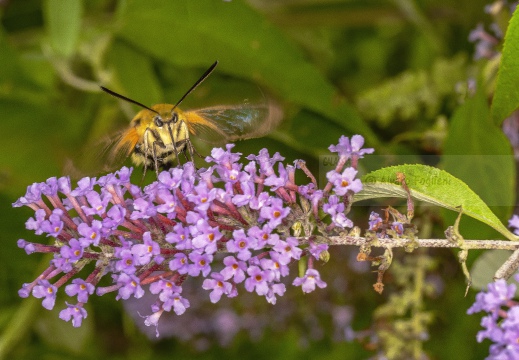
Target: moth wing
[
  {"x": 104, "y": 155},
  {"x": 223, "y": 123}
]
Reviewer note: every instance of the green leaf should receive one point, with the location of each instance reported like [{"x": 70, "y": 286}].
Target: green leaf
[
  {"x": 133, "y": 74},
  {"x": 63, "y": 20},
  {"x": 432, "y": 186},
  {"x": 34, "y": 138},
  {"x": 506, "y": 97},
  {"x": 485, "y": 267},
  {"x": 478, "y": 153},
  {"x": 195, "y": 33}
]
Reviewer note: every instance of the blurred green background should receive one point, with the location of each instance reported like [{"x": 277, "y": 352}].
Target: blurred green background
[{"x": 393, "y": 71}]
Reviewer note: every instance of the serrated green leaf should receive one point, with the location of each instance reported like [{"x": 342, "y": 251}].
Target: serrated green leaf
[
  {"x": 477, "y": 152},
  {"x": 63, "y": 21},
  {"x": 433, "y": 186},
  {"x": 196, "y": 33},
  {"x": 506, "y": 97}
]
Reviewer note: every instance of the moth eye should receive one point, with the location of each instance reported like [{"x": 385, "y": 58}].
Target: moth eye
[
  {"x": 174, "y": 117},
  {"x": 158, "y": 121}
]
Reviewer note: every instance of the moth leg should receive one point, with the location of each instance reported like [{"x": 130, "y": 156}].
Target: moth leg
[
  {"x": 174, "y": 144},
  {"x": 155, "y": 158},
  {"x": 193, "y": 149},
  {"x": 146, "y": 149}
]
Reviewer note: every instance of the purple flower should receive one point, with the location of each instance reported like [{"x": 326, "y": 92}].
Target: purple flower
[
  {"x": 80, "y": 288},
  {"x": 165, "y": 288},
  {"x": 206, "y": 237},
  {"x": 344, "y": 182},
  {"x": 153, "y": 320},
  {"x": 143, "y": 253},
  {"x": 499, "y": 293},
  {"x": 316, "y": 249},
  {"x": 240, "y": 244},
  {"x": 65, "y": 265},
  {"x": 397, "y": 227},
  {"x": 375, "y": 221},
  {"x": 274, "y": 212},
  {"x": 275, "y": 265},
  {"x": 32, "y": 195},
  {"x": 306, "y": 190},
  {"x": 85, "y": 185},
  {"x": 168, "y": 203},
  {"x": 73, "y": 251},
  {"x": 91, "y": 234},
  {"x": 492, "y": 330},
  {"x": 27, "y": 246},
  {"x": 514, "y": 223},
  {"x": 75, "y": 312},
  {"x": 288, "y": 250},
  {"x": 50, "y": 188},
  {"x": 54, "y": 224},
  {"x": 218, "y": 285},
  {"x": 25, "y": 291},
  {"x": 223, "y": 158},
  {"x": 274, "y": 181},
  {"x": 64, "y": 185},
  {"x": 512, "y": 320},
  {"x": 47, "y": 291},
  {"x": 485, "y": 43},
  {"x": 201, "y": 264},
  {"x": 129, "y": 285},
  {"x": 263, "y": 236},
  {"x": 177, "y": 303},
  {"x": 336, "y": 210},
  {"x": 229, "y": 173},
  {"x": 172, "y": 178},
  {"x": 345, "y": 149},
  {"x": 127, "y": 262},
  {"x": 97, "y": 203},
  {"x": 233, "y": 269},
  {"x": 203, "y": 197},
  {"x": 188, "y": 177},
  {"x": 265, "y": 162},
  {"x": 275, "y": 289},
  {"x": 115, "y": 217},
  {"x": 249, "y": 190},
  {"x": 309, "y": 281},
  {"x": 180, "y": 263},
  {"x": 180, "y": 236},
  {"x": 258, "y": 280},
  {"x": 143, "y": 209},
  {"x": 257, "y": 202},
  {"x": 35, "y": 223}
]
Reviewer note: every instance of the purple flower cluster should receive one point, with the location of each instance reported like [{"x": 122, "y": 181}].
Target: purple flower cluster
[
  {"x": 384, "y": 228},
  {"x": 229, "y": 223},
  {"x": 487, "y": 43},
  {"x": 501, "y": 325}
]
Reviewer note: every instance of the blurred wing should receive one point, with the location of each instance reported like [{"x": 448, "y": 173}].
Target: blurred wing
[
  {"x": 117, "y": 151},
  {"x": 236, "y": 122},
  {"x": 104, "y": 155}
]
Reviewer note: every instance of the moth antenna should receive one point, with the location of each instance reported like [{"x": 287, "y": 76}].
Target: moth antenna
[
  {"x": 198, "y": 82},
  {"x": 119, "y": 96}
]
